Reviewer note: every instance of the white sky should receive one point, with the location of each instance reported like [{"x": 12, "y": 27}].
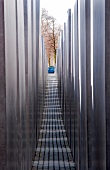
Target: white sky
[{"x": 58, "y": 8}]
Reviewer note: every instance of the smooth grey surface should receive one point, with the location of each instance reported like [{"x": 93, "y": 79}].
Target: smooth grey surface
[
  {"x": 22, "y": 98},
  {"x": 11, "y": 83},
  {"x": 92, "y": 124},
  {"x": 65, "y": 70},
  {"x": 99, "y": 117},
  {"x": 65, "y": 73},
  {"x": 37, "y": 61},
  {"x": 83, "y": 104},
  {"x": 3, "y": 146},
  {"x": 107, "y": 80},
  {"x": 72, "y": 79},
  {"x": 88, "y": 83},
  {"x": 30, "y": 80},
  {"x": 26, "y": 80},
  {"x": 66, "y": 78},
  {"x": 76, "y": 87},
  {"x": 68, "y": 75},
  {"x": 21, "y": 71},
  {"x": 34, "y": 73}
]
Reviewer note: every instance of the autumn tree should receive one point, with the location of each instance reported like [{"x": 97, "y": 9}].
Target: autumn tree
[{"x": 50, "y": 31}]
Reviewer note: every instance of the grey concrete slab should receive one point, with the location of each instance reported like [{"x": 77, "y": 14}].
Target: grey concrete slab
[
  {"x": 11, "y": 83},
  {"x": 76, "y": 87},
  {"x": 83, "y": 104},
  {"x": 19, "y": 68},
  {"x": 88, "y": 82},
  {"x": 3, "y": 144},
  {"x": 107, "y": 80},
  {"x": 99, "y": 117},
  {"x": 21, "y": 82}
]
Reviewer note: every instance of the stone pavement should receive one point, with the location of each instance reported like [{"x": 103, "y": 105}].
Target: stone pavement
[{"x": 53, "y": 152}]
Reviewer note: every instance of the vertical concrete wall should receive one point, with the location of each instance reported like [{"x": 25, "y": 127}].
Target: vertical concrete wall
[
  {"x": 76, "y": 88},
  {"x": 69, "y": 73},
  {"x": 83, "y": 104},
  {"x": 72, "y": 86},
  {"x": 107, "y": 80},
  {"x": 22, "y": 82},
  {"x": 99, "y": 119},
  {"x": 26, "y": 79},
  {"x": 65, "y": 73},
  {"x": 30, "y": 74},
  {"x": 37, "y": 60},
  {"x": 88, "y": 82},
  {"x": 86, "y": 101},
  {"x": 3, "y": 145},
  {"x": 11, "y": 83}
]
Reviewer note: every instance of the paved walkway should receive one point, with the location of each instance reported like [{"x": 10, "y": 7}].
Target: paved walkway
[{"x": 53, "y": 152}]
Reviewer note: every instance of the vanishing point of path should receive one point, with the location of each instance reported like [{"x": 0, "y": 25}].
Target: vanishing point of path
[{"x": 53, "y": 152}]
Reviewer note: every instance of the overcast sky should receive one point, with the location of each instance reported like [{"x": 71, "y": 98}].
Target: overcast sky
[{"x": 58, "y": 8}]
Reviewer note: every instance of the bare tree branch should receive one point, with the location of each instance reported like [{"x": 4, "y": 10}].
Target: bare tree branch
[{"x": 50, "y": 31}]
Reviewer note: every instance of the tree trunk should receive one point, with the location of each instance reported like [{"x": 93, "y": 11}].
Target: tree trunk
[
  {"x": 49, "y": 61},
  {"x": 55, "y": 56}
]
